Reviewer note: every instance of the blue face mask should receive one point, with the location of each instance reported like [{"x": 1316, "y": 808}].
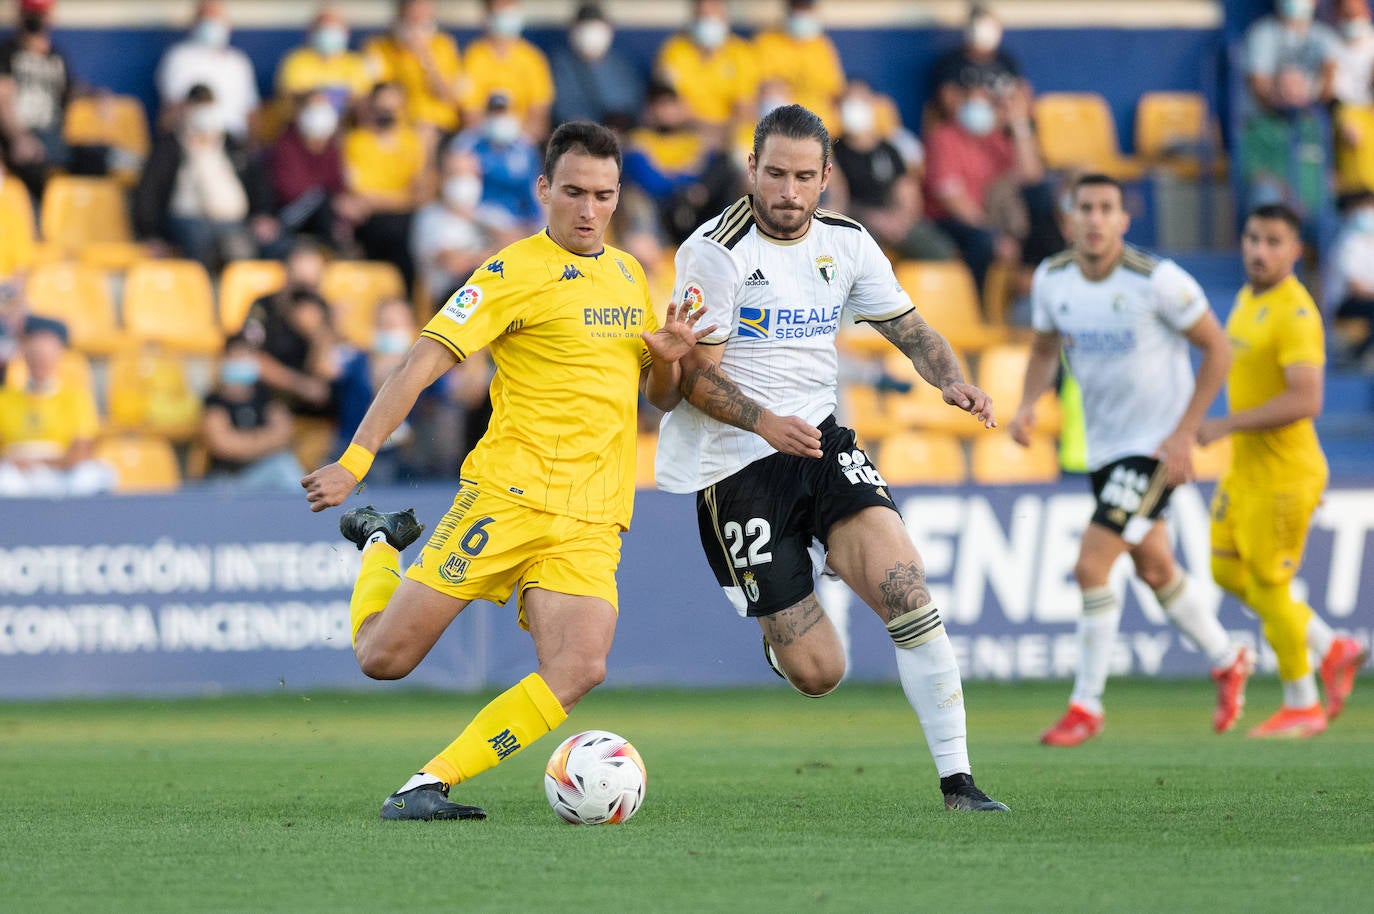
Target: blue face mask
[
  {"x": 977, "y": 116},
  {"x": 239, "y": 371},
  {"x": 329, "y": 40},
  {"x": 391, "y": 342},
  {"x": 1362, "y": 221},
  {"x": 212, "y": 33}
]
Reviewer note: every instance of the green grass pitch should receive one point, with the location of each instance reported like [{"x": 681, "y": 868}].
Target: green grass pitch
[{"x": 758, "y": 801}]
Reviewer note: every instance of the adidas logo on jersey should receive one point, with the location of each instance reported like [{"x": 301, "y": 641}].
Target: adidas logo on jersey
[{"x": 756, "y": 279}]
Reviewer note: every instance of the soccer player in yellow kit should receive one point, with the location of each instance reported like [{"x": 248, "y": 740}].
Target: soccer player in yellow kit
[
  {"x": 545, "y": 495},
  {"x": 1264, "y": 503}
]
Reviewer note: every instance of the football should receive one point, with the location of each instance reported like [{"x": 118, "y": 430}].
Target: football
[{"x": 595, "y": 778}]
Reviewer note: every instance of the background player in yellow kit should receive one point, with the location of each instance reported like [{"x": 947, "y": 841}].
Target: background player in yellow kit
[
  {"x": 1264, "y": 503},
  {"x": 543, "y": 498}
]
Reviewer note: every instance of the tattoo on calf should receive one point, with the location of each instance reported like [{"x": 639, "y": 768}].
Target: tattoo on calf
[
  {"x": 904, "y": 589},
  {"x": 790, "y": 624}
]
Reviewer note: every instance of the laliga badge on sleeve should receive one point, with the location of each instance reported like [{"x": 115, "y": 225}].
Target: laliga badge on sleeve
[{"x": 463, "y": 303}]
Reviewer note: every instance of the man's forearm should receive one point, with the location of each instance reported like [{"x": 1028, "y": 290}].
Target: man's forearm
[
  {"x": 710, "y": 390},
  {"x": 423, "y": 365},
  {"x": 929, "y": 352}
]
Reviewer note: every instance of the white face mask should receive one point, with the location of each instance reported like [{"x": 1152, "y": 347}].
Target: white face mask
[
  {"x": 857, "y": 116},
  {"x": 984, "y": 34},
  {"x": 391, "y": 342},
  {"x": 1362, "y": 221},
  {"x": 507, "y": 23},
  {"x": 803, "y": 26},
  {"x": 503, "y": 129},
  {"x": 710, "y": 33},
  {"x": 318, "y": 121},
  {"x": 1300, "y": 10},
  {"x": 203, "y": 119},
  {"x": 329, "y": 40},
  {"x": 462, "y": 191},
  {"x": 977, "y": 116},
  {"x": 1357, "y": 29},
  {"x": 592, "y": 39},
  {"x": 213, "y": 33}
]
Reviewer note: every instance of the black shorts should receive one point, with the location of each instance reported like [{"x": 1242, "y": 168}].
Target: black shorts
[
  {"x": 1131, "y": 495},
  {"x": 757, "y": 526}
]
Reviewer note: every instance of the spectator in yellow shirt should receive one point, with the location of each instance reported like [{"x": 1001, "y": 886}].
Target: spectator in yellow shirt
[
  {"x": 386, "y": 169},
  {"x": 503, "y": 62},
  {"x": 804, "y": 58},
  {"x": 712, "y": 69},
  {"x": 48, "y": 427},
  {"x": 325, "y": 64},
  {"x": 16, "y": 226},
  {"x": 424, "y": 62}
]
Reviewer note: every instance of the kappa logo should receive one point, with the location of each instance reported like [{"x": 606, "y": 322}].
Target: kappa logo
[
  {"x": 751, "y": 586},
  {"x": 463, "y": 303},
  {"x": 825, "y": 265},
  {"x": 570, "y": 271},
  {"x": 498, "y": 267},
  {"x": 756, "y": 279}
]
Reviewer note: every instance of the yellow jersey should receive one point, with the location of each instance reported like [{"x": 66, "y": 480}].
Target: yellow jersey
[
  {"x": 810, "y": 67},
  {"x": 564, "y": 331},
  {"x": 343, "y": 77},
  {"x": 1270, "y": 332},
  {"x": 43, "y": 425},
  {"x": 520, "y": 71},
  {"x": 710, "y": 83},
  {"x": 392, "y": 61},
  {"x": 385, "y": 167}
]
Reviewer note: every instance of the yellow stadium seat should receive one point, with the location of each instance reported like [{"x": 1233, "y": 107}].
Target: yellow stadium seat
[
  {"x": 89, "y": 218},
  {"x": 142, "y": 463},
  {"x": 117, "y": 121},
  {"x": 312, "y": 440},
  {"x": 922, "y": 458},
  {"x": 945, "y": 295},
  {"x": 353, "y": 289},
  {"x": 1076, "y": 131},
  {"x": 79, "y": 296},
  {"x": 862, "y": 340},
  {"x": 74, "y": 370},
  {"x": 243, "y": 282},
  {"x": 149, "y": 391},
  {"x": 865, "y": 410},
  {"x": 646, "y": 447},
  {"x": 1355, "y": 148},
  {"x": 170, "y": 302},
  {"x": 997, "y": 460},
  {"x": 924, "y": 406},
  {"x": 1212, "y": 461},
  {"x": 16, "y": 228},
  {"x": 1002, "y": 374}
]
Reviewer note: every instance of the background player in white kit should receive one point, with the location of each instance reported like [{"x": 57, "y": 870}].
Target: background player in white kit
[
  {"x": 757, "y": 440},
  {"x": 1125, "y": 321}
]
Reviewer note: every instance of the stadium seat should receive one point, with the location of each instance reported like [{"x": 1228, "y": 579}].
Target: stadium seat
[
  {"x": 243, "y": 282},
  {"x": 922, "y": 458},
  {"x": 1077, "y": 132},
  {"x": 1354, "y": 148},
  {"x": 862, "y": 340},
  {"x": 997, "y": 460},
  {"x": 945, "y": 295},
  {"x": 924, "y": 407},
  {"x": 864, "y": 409},
  {"x": 149, "y": 391},
  {"x": 74, "y": 370},
  {"x": 89, "y": 218},
  {"x": 79, "y": 296},
  {"x": 170, "y": 302},
  {"x": 646, "y": 447},
  {"x": 353, "y": 289},
  {"x": 1211, "y": 462},
  {"x": 1002, "y": 373},
  {"x": 116, "y": 121},
  {"x": 1175, "y": 128},
  {"x": 313, "y": 440},
  {"x": 142, "y": 463},
  {"x": 16, "y": 227}
]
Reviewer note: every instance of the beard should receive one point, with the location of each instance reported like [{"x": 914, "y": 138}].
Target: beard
[{"x": 782, "y": 222}]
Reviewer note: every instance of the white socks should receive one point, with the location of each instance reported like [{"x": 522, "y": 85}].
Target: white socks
[
  {"x": 930, "y": 679},
  {"x": 1097, "y": 629},
  {"x": 1188, "y": 614},
  {"x": 1319, "y": 637},
  {"x": 418, "y": 779},
  {"x": 1300, "y": 693}
]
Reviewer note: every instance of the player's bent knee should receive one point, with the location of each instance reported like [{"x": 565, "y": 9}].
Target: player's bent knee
[{"x": 380, "y": 663}]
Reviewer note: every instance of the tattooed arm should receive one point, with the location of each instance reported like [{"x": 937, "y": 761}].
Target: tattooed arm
[
  {"x": 934, "y": 360},
  {"x": 710, "y": 390}
]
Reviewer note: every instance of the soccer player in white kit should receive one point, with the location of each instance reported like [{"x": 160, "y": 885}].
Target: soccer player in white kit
[
  {"x": 1125, "y": 320},
  {"x": 756, "y": 437}
]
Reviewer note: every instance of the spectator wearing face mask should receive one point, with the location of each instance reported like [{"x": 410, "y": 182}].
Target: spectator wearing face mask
[
  {"x": 246, "y": 430},
  {"x": 452, "y": 235},
  {"x": 424, "y": 62},
  {"x": 305, "y": 166},
  {"x": 804, "y": 60},
  {"x": 206, "y": 58},
  {"x": 35, "y": 86},
  {"x": 1349, "y": 284},
  {"x": 712, "y": 69},
  {"x": 502, "y": 62},
  {"x": 595, "y": 82},
  {"x": 979, "y": 63},
  {"x": 510, "y": 164},
  {"x": 325, "y": 64},
  {"x": 201, "y": 192}
]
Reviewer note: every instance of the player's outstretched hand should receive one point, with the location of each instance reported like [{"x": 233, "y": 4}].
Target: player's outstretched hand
[
  {"x": 678, "y": 334},
  {"x": 789, "y": 435},
  {"x": 1022, "y": 424},
  {"x": 328, "y": 486},
  {"x": 971, "y": 400}
]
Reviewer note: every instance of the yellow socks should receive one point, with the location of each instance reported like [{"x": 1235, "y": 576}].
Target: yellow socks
[
  {"x": 1285, "y": 626},
  {"x": 513, "y": 720},
  {"x": 378, "y": 579}
]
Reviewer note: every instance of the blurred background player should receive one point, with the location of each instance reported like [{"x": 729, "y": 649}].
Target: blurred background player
[
  {"x": 1263, "y": 505},
  {"x": 1121, "y": 316}
]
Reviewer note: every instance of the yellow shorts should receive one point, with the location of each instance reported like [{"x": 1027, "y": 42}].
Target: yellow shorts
[
  {"x": 487, "y": 547},
  {"x": 1266, "y": 527}
]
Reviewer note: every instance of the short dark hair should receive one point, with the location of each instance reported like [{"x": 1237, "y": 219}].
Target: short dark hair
[
  {"x": 1097, "y": 179},
  {"x": 584, "y": 138},
  {"x": 795, "y": 123},
  {"x": 1280, "y": 212}
]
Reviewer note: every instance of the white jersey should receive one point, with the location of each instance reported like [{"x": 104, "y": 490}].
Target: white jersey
[
  {"x": 778, "y": 305},
  {"x": 1125, "y": 341}
]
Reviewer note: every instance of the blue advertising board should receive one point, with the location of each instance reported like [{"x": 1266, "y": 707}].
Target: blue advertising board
[{"x": 203, "y": 592}]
